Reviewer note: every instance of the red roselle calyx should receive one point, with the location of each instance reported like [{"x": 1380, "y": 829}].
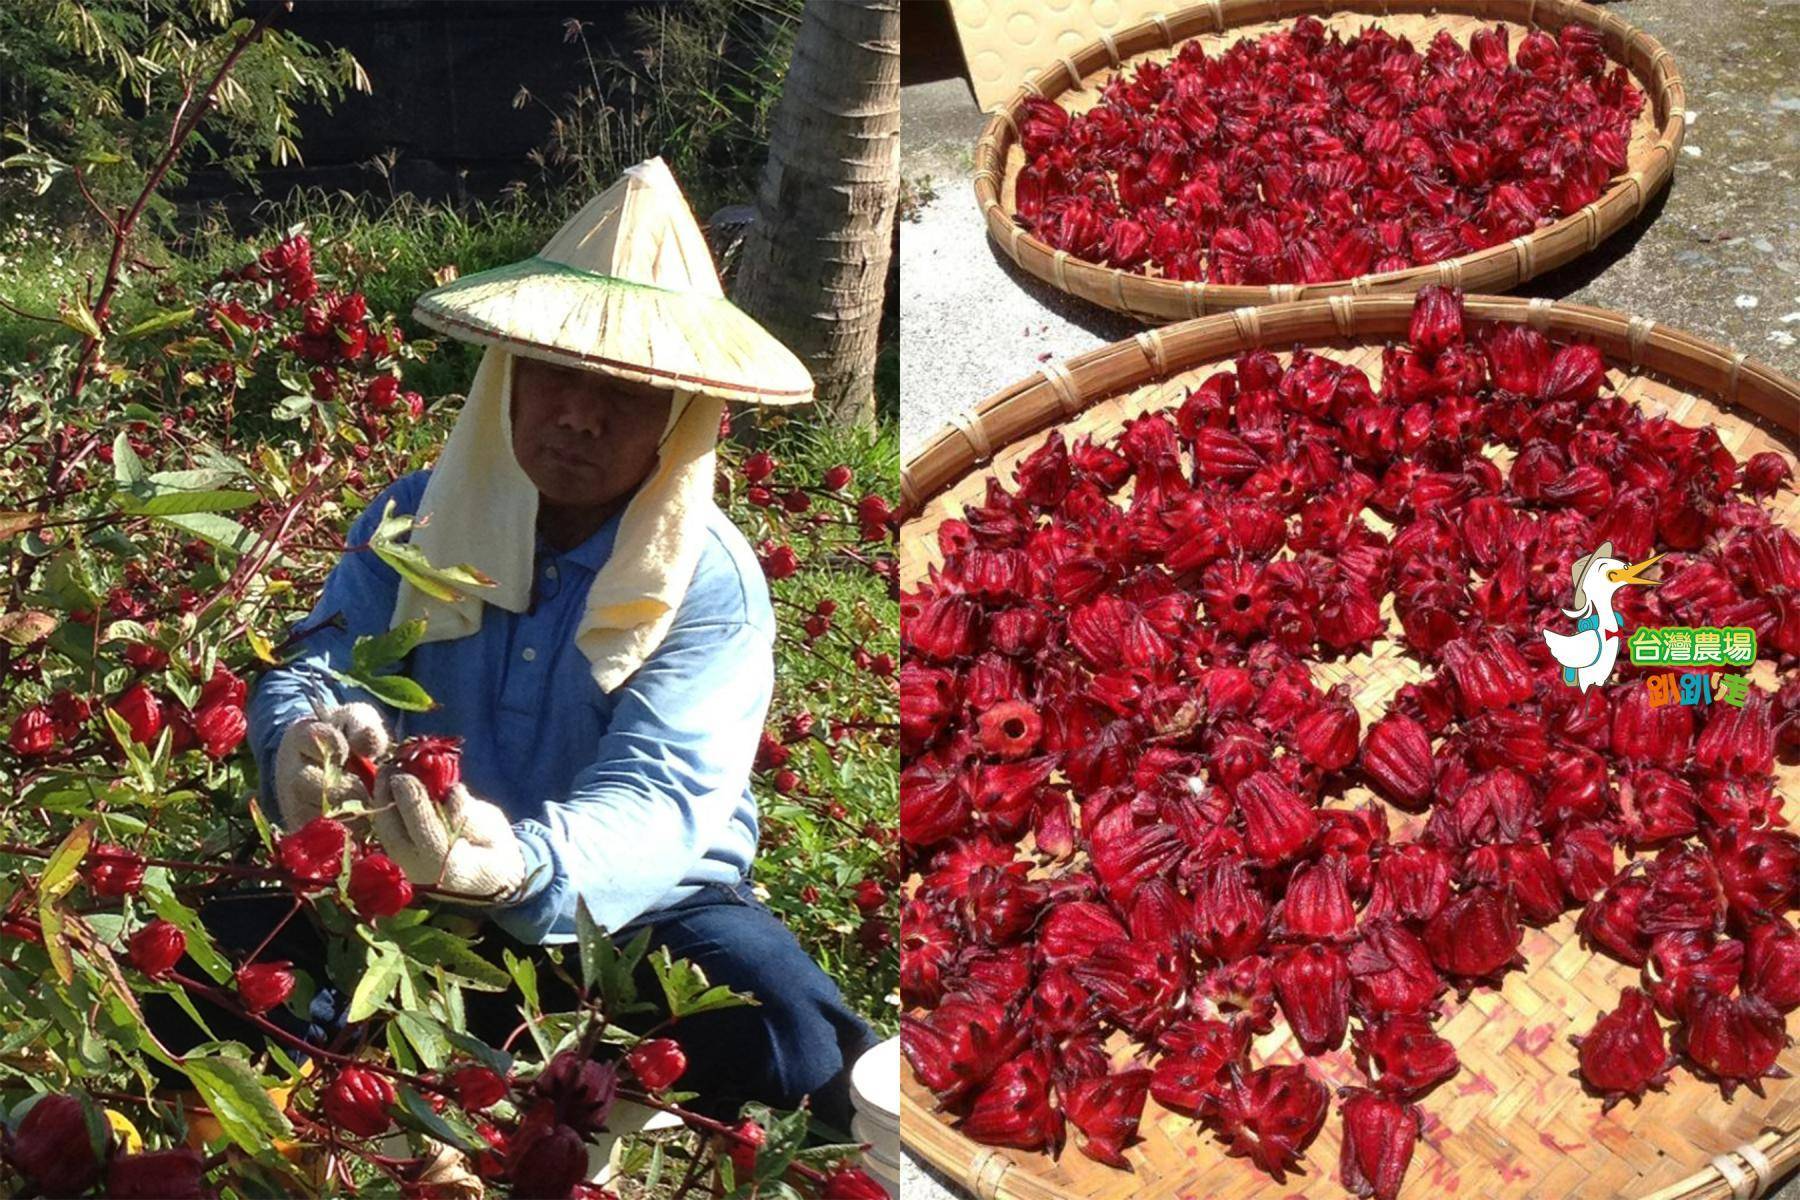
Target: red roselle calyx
[
  {"x": 357, "y": 1100},
  {"x": 434, "y": 761},
  {"x": 1624, "y": 1055},
  {"x": 1129, "y": 811},
  {"x": 1379, "y": 1135}
]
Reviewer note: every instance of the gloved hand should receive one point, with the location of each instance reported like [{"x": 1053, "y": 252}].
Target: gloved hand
[
  {"x": 310, "y": 745},
  {"x": 465, "y": 844}
]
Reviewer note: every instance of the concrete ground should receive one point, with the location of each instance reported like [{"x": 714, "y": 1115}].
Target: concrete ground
[{"x": 1718, "y": 254}]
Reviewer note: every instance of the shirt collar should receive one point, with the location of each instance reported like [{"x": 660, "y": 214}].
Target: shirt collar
[{"x": 592, "y": 553}]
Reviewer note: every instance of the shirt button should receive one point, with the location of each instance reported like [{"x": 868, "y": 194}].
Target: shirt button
[
  {"x": 550, "y": 571},
  {"x": 528, "y": 654}
]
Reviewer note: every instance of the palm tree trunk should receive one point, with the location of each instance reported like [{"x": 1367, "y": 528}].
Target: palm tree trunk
[{"x": 815, "y": 263}]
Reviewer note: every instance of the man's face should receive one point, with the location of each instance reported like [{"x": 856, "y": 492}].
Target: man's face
[{"x": 585, "y": 439}]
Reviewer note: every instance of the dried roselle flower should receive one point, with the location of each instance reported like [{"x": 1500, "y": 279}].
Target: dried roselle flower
[
  {"x": 1052, "y": 827},
  {"x": 1758, "y": 871},
  {"x": 1687, "y": 962},
  {"x": 1766, "y": 473},
  {"x": 1510, "y": 737},
  {"x": 1657, "y": 806},
  {"x": 1488, "y": 671},
  {"x": 1230, "y": 917},
  {"x": 1010, "y": 729},
  {"x": 1661, "y": 736},
  {"x": 1735, "y": 1040},
  {"x": 1611, "y": 920},
  {"x": 1327, "y": 735},
  {"x": 927, "y": 947},
  {"x": 1539, "y": 465},
  {"x": 1476, "y": 935},
  {"x": 1137, "y": 986},
  {"x": 1576, "y": 374},
  {"x": 958, "y": 1045},
  {"x": 1685, "y": 892},
  {"x": 1015, "y": 1108},
  {"x": 1006, "y": 793},
  {"x": 1583, "y": 856},
  {"x": 1495, "y": 806},
  {"x": 1059, "y": 1006},
  {"x": 1236, "y": 597},
  {"x": 1772, "y": 965},
  {"x": 941, "y": 627},
  {"x": 997, "y": 976},
  {"x": 952, "y": 868},
  {"x": 927, "y": 698},
  {"x": 1316, "y": 904},
  {"x": 1073, "y": 931},
  {"x": 1397, "y": 759},
  {"x": 1354, "y": 835},
  {"x": 1127, "y": 855},
  {"x": 1525, "y": 870},
  {"x": 1624, "y": 1054},
  {"x": 1379, "y": 1135},
  {"x": 1437, "y": 320},
  {"x": 1576, "y": 787},
  {"x": 1159, "y": 914},
  {"x": 1106, "y": 1110},
  {"x": 1738, "y": 741},
  {"x": 1242, "y": 991},
  {"x": 1391, "y": 972},
  {"x": 1412, "y": 882},
  {"x": 1000, "y": 904},
  {"x": 1404, "y": 1056},
  {"x": 934, "y": 798},
  {"x": 1312, "y": 985},
  {"x": 1270, "y": 1115},
  {"x": 1279, "y": 825}
]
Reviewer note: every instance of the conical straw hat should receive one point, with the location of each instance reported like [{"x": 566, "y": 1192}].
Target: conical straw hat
[{"x": 626, "y": 287}]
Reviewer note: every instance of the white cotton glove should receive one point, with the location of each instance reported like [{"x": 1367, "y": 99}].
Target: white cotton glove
[
  {"x": 466, "y": 844},
  {"x": 312, "y": 745}
]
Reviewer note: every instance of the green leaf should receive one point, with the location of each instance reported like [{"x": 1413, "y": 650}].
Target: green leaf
[
  {"x": 128, "y": 468},
  {"x": 222, "y": 532},
  {"x": 375, "y": 986},
  {"x": 395, "y": 691},
  {"x": 370, "y": 654},
  {"x": 495, "y": 1060},
  {"x": 440, "y": 583},
  {"x": 149, "y": 500},
  {"x": 686, "y": 989},
  {"x": 425, "y": 1036},
  {"x": 415, "y": 1114},
  {"x": 60, "y": 871},
  {"x": 524, "y": 973},
  {"x": 435, "y": 947},
  {"x": 161, "y": 321},
  {"x": 244, "y": 1109}
]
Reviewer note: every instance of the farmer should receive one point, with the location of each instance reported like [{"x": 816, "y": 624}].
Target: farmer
[{"x": 609, "y": 688}]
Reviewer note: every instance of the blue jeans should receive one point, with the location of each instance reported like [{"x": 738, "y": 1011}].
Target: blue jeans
[{"x": 798, "y": 1042}]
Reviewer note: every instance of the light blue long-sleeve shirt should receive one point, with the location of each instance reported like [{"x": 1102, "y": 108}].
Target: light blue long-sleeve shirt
[{"x": 632, "y": 800}]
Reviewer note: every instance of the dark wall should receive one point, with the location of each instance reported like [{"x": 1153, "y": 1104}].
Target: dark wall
[{"x": 444, "y": 74}]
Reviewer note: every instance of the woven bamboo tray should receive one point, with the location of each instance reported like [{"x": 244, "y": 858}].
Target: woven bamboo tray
[
  {"x": 1514, "y": 1122},
  {"x": 1074, "y": 81}
]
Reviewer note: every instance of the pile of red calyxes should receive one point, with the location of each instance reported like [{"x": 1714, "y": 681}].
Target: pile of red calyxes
[
  {"x": 1298, "y": 157},
  {"x": 1124, "y": 797}
]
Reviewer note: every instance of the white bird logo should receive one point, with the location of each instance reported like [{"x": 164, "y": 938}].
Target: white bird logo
[{"x": 1587, "y": 656}]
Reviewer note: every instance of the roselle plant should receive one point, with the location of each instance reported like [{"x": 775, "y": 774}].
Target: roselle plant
[
  {"x": 1301, "y": 156},
  {"x": 1131, "y": 812},
  {"x": 177, "y": 467}
]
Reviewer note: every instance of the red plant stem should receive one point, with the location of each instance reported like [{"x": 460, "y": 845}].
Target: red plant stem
[
  {"x": 229, "y": 1002},
  {"x": 299, "y": 902}
]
